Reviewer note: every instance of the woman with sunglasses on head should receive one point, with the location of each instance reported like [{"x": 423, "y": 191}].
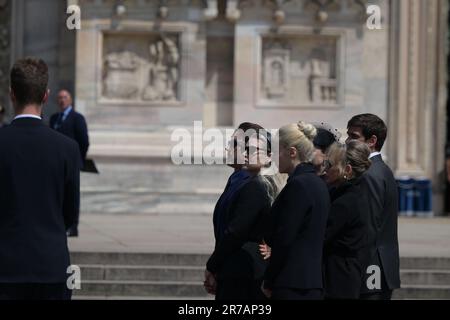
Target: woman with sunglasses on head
[
  {"x": 346, "y": 237},
  {"x": 235, "y": 268}
]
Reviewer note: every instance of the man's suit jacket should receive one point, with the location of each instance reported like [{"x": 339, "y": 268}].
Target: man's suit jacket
[
  {"x": 39, "y": 196},
  {"x": 346, "y": 241},
  {"x": 236, "y": 254},
  {"x": 299, "y": 218},
  {"x": 74, "y": 127},
  {"x": 381, "y": 188}
]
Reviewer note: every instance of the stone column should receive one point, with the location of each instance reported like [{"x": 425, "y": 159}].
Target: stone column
[{"x": 417, "y": 91}]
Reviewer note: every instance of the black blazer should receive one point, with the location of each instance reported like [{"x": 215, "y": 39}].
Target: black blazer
[
  {"x": 346, "y": 241},
  {"x": 237, "y": 255},
  {"x": 299, "y": 217},
  {"x": 381, "y": 188},
  {"x": 39, "y": 196},
  {"x": 74, "y": 127}
]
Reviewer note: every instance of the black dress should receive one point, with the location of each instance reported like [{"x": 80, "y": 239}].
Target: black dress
[{"x": 346, "y": 241}]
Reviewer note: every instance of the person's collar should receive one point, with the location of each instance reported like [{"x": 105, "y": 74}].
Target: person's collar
[
  {"x": 21, "y": 116},
  {"x": 302, "y": 168},
  {"x": 374, "y": 154},
  {"x": 67, "y": 110},
  {"x": 240, "y": 174}
]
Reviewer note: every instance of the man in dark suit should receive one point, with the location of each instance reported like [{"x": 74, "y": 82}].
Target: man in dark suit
[
  {"x": 39, "y": 193},
  {"x": 382, "y": 275},
  {"x": 73, "y": 125}
]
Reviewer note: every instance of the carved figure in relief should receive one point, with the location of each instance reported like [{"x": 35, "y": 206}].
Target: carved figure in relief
[{"x": 163, "y": 71}]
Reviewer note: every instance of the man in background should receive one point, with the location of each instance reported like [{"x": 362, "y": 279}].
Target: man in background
[
  {"x": 381, "y": 188},
  {"x": 39, "y": 193},
  {"x": 73, "y": 125}
]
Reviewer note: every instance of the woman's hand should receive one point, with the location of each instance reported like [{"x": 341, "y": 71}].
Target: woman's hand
[
  {"x": 265, "y": 250},
  {"x": 210, "y": 283}
]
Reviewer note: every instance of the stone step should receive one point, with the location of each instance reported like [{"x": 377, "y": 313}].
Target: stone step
[
  {"x": 422, "y": 292},
  {"x": 186, "y": 273},
  {"x": 180, "y": 290},
  {"x": 425, "y": 277},
  {"x": 149, "y": 202},
  {"x": 138, "y": 259},
  {"x": 425, "y": 263},
  {"x": 149, "y": 289},
  {"x": 142, "y": 273},
  {"x": 170, "y": 259},
  {"x": 77, "y": 297},
  {"x": 117, "y": 275}
]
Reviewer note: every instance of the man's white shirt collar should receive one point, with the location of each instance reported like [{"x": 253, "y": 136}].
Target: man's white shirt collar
[
  {"x": 374, "y": 154},
  {"x": 20, "y": 116}
]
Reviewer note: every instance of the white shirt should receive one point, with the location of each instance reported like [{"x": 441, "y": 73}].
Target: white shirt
[
  {"x": 20, "y": 116},
  {"x": 374, "y": 154}
]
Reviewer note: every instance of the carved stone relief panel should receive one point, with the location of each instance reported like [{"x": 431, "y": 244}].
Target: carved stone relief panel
[
  {"x": 299, "y": 70},
  {"x": 141, "y": 67}
]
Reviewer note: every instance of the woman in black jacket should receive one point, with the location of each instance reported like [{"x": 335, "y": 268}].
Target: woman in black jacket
[
  {"x": 299, "y": 216},
  {"x": 235, "y": 268},
  {"x": 346, "y": 238}
]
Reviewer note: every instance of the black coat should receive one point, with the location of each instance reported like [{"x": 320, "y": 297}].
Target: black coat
[
  {"x": 299, "y": 217},
  {"x": 74, "y": 127},
  {"x": 39, "y": 196},
  {"x": 381, "y": 188},
  {"x": 346, "y": 241},
  {"x": 236, "y": 254}
]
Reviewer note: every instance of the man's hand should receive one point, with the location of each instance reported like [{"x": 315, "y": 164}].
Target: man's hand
[
  {"x": 267, "y": 292},
  {"x": 210, "y": 283}
]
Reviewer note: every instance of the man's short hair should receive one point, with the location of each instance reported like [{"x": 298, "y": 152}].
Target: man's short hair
[
  {"x": 371, "y": 125},
  {"x": 29, "y": 80}
]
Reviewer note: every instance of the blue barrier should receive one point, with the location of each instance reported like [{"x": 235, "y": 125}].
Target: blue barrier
[
  {"x": 415, "y": 197},
  {"x": 406, "y": 196}
]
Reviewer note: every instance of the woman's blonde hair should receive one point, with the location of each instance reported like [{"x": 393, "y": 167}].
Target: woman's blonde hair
[
  {"x": 300, "y": 136},
  {"x": 354, "y": 153}
]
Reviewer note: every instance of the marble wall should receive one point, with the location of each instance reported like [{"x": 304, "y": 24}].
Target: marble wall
[
  {"x": 138, "y": 68},
  {"x": 328, "y": 71},
  {"x": 45, "y": 36}
]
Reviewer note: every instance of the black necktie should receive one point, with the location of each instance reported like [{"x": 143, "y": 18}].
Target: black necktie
[{"x": 59, "y": 121}]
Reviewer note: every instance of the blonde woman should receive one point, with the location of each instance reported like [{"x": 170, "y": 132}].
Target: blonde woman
[
  {"x": 346, "y": 238},
  {"x": 299, "y": 216}
]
